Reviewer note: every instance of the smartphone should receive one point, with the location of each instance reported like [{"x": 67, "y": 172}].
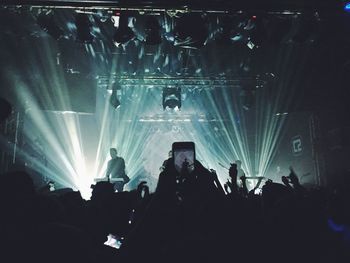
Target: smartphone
[
  {"x": 184, "y": 152},
  {"x": 113, "y": 241}
]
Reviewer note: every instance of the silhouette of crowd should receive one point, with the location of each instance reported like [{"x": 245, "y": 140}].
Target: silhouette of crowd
[
  {"x": 190, "y": 217},
  {"x": 192, "y": 220}
]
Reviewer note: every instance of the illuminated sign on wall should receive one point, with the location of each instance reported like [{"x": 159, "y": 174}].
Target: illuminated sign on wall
[{"x": 297, "y": 147}]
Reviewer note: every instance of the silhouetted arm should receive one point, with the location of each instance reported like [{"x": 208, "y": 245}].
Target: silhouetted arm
[
  {"x": 217, "y": 182},
  {"x": 232, "y": 184},
  {"x": 244, "y": 185},
  {"x": 294, "y": 180}
]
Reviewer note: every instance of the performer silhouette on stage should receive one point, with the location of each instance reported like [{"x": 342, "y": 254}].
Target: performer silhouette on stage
[{"x": 116, "y": 171}]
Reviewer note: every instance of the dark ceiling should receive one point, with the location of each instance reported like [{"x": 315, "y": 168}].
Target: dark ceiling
[
  {"x": 193, "y": 4},
  {"x": 300, "y": 47}
]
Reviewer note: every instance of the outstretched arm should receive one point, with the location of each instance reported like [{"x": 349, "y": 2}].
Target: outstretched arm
[{"x": 217, "y": 182}]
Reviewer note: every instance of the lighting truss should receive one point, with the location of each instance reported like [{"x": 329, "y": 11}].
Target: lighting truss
[
  {"x": 286, "y": 7},
  {"x": 208, "y": 83}
]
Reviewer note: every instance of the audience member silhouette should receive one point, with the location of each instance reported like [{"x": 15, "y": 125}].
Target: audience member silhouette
[
  {"x": 5, "y": 109},
  {"x": 189, "y": 218}
]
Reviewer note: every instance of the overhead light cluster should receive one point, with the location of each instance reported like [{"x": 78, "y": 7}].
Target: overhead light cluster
[
  {"x": 189, "y": 30},
  {"x": 244, "y": 28},
  {"x": 126, "y": 30},
  {"x": 172, "y": 98}
]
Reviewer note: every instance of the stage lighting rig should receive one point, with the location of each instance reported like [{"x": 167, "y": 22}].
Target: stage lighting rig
[
  {"x": 172, "y": 98},
  {"x": 190, "y": 31}
]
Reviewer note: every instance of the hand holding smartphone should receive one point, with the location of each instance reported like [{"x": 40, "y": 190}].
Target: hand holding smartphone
[{"x": 184, "y": 156}]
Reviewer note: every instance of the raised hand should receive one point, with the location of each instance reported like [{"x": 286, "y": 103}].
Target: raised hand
[
  {"x": 293, "y": 177},
  {"x": 233, "y": 171},
  {"x": 228, "y": 187},
  {"x": 285, "y": 180},
  {"x": 243, "y": 178},
  {"x": 142, "y": 190}
]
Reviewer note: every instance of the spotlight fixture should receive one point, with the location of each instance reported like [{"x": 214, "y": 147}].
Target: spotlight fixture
[
  {"x": 47, "y": 23},
  {"x": 255, "y": 30},
  {"x": 84, "y": 25},
  {"x": 152, "y": 30},
  {"x": 114, "y": 99},
  {"x": 124, "y": 33},
  {"x": 172, "y": 98},
  {"x": 115, "y": 102},
  {"x": 190, "y": 31}
]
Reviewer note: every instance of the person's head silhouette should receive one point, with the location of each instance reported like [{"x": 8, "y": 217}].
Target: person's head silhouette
[
  {"x": 5, "y": 109},
  {"x": 113, "y": 152}
]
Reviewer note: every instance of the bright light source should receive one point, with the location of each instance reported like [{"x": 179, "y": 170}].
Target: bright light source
[
  {"x": 347, "y": 7},
  {"x": 115, "y": 19},
  {"x": 112, "y": 241},
  {"x": 250, "y": 44},
  {"x": 115, "y": 97},
  {"x": 281, "y": 113},
  {"x": 76, "y": 146},
  {"x": 172, "y": 98}
]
